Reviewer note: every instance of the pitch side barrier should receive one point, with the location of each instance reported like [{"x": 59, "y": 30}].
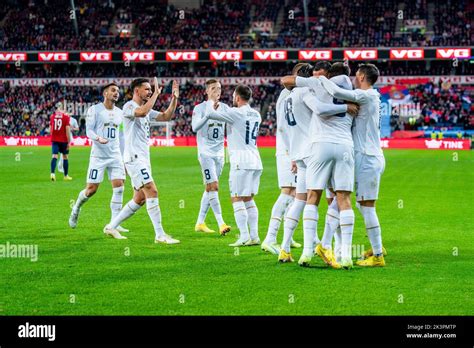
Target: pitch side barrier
[{"x": 262, "y": 141}]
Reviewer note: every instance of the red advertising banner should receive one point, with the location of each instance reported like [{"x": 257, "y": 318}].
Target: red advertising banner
[
  {"x": 431, "y": 144},
  {"x": 267, "y": 141}
]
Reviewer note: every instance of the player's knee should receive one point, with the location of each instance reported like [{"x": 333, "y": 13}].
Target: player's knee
[
  {"x": 150, "y": 190},
  {"x": 312, "y": 197},
  {"x": 301, "y": 196},
  {"x": 65, "y": 157},
  {"x": 213, "y": 186},
  {"x": 344, "y": 200}
]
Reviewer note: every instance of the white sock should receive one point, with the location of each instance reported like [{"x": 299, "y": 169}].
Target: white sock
[
  {"x": 332, "y": 222},
  {"x": 337, "y": 244},
  {"x": 291, "y": 222},
  {"x": 252, "y": 212},
  {"x": 213, "y": 199},
  {"x": 204, "y": 208},
  {"x": 81, "y": 199},
  {"x": 241, "y": 218},
  {"x": 278, "y": 212},
  {"x": 310, "y": 225},
  {"x": 128, "y": 210},
  {"x": 116, "y": 201},
  {"x": 372, "y": 227},
  {"x": 60, "y": 164},
  {"x": 154, "y": 212},
  {"x": 346, "y": 219}
]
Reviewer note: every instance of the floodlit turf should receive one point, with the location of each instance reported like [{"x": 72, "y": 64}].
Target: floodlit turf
[{"x": 426, "y": 213}]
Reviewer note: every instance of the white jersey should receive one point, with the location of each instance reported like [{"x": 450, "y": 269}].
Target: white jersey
[
  {"x": 137, "y": 133},
  {"x": 298, "y": 120},
  {"x": 74, "y": 125},
  {"x": 366, "y": 130},
  {"x": 282, "y": 140},
  {"x": 243, "y": 124},
  {"x": 337, "y": 128},
  {"x": 103, "y": 122},
  {"x": 210, "y": 135}
]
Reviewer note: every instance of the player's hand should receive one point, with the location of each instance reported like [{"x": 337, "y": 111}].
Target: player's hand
[
  {"x": 175, "y": 89},
  {"x": 352, "y": 109},
  {"x": 294, "y": 168},
  {"x": 157, "y": 87},
  {"x": 102, "y": 140}
]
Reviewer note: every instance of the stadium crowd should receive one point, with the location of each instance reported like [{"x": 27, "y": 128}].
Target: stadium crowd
[
  {"x": 224, "y": 69},
  {"x": 48, "y": 25},
  {"x": 27, "y": 110}
]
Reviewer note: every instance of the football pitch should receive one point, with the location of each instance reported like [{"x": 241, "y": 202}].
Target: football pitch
[{"x": 425, "y": 209}]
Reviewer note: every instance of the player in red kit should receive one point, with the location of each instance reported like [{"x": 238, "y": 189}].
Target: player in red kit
[{"x": 61, "y": 137}]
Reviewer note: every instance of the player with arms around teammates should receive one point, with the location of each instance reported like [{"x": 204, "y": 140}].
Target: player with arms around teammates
[
  {"x": 303, "y": 109},
  {"x": 60, "y": 129},
  {"x": 137, "y": 115},
  {"x": 330, "y": 163},
  {"x": 102, "y": 123},
  {"x": 243, "y": 124},
  {"x": 210, "y": 144},
  {"x": 369, "y": 159}
]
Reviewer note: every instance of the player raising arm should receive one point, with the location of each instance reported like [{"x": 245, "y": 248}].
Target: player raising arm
[
  {"x": 369, "y": 159},
  {"x": 102, "y": 124},
  {"x": 137, "y": 114},
  {"x": 210, "y": 144},
  {"x": 243, "y": 124}
]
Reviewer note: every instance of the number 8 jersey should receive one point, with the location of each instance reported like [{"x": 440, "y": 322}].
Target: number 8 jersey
[
  {"x": 103, "y": 122},
  {"x": 243, "y": 124},
  {"x": 210, "y": 137}
]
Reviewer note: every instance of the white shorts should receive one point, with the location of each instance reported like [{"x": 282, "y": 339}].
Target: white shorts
[
  {"x": 244, "y": 182},
  {"x": 139, "y": 172},
  {"x": 301, "y": 177},
  {"x": 285, "y": 177},
  {"x": 97, "y": 167},
  {"x": 330, "y": 165},
  {"x": 211, "y": 168},
  {"x": 368, "y": 170}
]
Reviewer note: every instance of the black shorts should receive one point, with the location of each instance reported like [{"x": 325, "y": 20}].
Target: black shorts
[{"x": 60, "y": 147}]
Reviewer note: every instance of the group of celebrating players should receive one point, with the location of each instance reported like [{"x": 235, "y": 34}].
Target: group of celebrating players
[{"x": 328, "y": 138}]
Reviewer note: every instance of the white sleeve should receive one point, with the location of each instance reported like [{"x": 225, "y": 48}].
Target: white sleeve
[
  {"x": 323, "y": 109},
  {"x": 90, "y": 124},
  {"x": 309, "y": 82},
  {"x": 225, "y": 114},
  {"x": 129, "y": 110},
  {"x": 153, "y": 114},
  {"x": 197, "y": 120},
  {"x": 356, "y": 96}
]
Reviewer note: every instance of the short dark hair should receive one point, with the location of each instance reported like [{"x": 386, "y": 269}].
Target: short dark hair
[
  {"x": 210, "y": 82},
  {"x": 339, "y": 68},
  {"x": 137, "y": 83},
  {"x": 109, "y": 85},
  {"x": 244, "y": 92},
  {"x": 370, "y": 71},
  {"x": 296, "y": 68},
  {"x": 322, "y": 64},
  {"x": 303, "y": 70}
]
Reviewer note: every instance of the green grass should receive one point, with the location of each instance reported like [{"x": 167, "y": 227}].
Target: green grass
[{"x": 435, "y": 220}]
